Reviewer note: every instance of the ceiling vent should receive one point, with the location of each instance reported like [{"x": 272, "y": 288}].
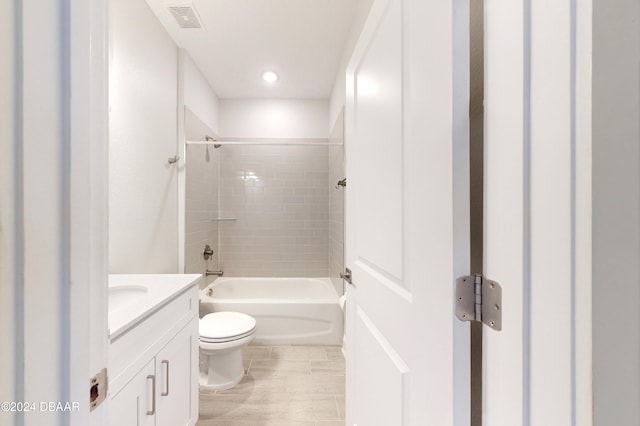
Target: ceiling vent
[{"x": 185, "y": 16}]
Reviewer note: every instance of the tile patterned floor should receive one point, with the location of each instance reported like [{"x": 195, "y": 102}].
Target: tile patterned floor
[{"x": 283, "y": 386}]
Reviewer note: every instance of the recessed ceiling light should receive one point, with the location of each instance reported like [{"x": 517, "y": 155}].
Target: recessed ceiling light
[{"x": 270, "y": 76}]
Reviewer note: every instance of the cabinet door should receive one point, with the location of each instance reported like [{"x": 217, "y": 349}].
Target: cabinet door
[
  {"x": 134, "y": 404},
  {"x": 176, "y": 366}
]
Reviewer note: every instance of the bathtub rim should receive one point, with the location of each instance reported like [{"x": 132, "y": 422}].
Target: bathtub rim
[{"x": 331, "y": 298}]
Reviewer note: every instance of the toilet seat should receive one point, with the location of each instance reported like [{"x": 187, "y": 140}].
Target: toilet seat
[
  {"x": 227, "y": 339},
  {"x": 220, "y": 327}
]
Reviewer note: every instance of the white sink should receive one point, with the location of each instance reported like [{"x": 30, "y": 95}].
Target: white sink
[
  {"x": 134, "y": 297},
  {"x": 121, "y": 296}
]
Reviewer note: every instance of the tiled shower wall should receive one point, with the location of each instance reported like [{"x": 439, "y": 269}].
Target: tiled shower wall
[
  {"x": 202, "y": 165},
  {"x": 336, "y": 206},
  {"x": 279, "y": 198}
]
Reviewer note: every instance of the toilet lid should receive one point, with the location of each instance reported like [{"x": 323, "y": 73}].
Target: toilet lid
[{"x": 221, "y": 326}]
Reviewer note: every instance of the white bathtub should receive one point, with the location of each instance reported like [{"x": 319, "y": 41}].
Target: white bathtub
[{"x": 287, "y": 310}]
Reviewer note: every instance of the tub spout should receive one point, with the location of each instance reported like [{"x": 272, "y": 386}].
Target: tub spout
[{"x": 218, "y": 273}]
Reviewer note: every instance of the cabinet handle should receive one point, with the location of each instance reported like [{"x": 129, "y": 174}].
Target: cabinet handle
[
  {"x": 166, "y": 376},
  {"x": 153, "y": 395}
]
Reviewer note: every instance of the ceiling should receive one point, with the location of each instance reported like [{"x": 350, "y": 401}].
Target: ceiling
[{"x": 301, "y": 40}]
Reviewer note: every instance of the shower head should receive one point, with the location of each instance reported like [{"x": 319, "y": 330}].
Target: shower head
[{"x": 210, "y": 139}]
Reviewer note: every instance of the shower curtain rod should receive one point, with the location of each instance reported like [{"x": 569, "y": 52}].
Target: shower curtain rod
[{"x": 311, "y": 142}]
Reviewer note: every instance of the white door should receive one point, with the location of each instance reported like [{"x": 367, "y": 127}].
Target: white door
[
  {"x": 537, "y": 211},
  {"x": 406, "y": 233}
]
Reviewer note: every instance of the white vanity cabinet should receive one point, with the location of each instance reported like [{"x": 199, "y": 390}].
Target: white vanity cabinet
[
  {"x": 153, "y": 364},
  {"x": 174, "y": 390},
  {"x": 130, "y": 405}
]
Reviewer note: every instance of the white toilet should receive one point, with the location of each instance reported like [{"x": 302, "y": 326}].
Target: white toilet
[{"x": 222, "y": 336}]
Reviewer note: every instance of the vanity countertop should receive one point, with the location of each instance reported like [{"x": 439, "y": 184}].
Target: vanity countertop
[{"x": 134, "y": 297}]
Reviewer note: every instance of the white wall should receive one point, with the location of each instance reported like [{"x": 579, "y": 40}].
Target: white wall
[
  {"x": 198, "y": 95},
  {"x": 337, "y": 99},
  {"x": 143, "y": 222},
  {"x": 274, "y": 118},
  {"x": 616, "y": 212}
]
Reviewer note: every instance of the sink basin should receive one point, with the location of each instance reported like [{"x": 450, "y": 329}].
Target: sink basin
[{"x": 121, "y": 296}]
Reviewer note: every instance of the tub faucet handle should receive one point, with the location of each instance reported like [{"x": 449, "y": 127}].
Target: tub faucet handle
[{"x": 207, "y": 252}]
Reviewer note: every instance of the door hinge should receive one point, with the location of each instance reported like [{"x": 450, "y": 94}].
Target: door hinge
[{"x": 479, "y": 299}]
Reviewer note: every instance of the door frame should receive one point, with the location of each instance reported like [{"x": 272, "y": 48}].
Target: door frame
[
  {"x": 54, "y": 205},
  {"x": 537, "y": 239}
]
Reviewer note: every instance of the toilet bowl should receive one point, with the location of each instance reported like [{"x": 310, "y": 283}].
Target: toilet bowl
[{"x": 222, "y": 336}]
